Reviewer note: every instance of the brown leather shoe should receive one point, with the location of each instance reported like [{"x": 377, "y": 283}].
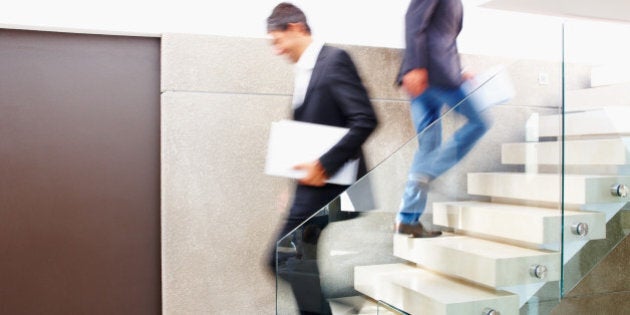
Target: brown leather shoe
[{"x": 416, "y": 230}]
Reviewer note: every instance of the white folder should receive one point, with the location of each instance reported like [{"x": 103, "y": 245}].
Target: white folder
[
  {"x": 491, "y": 87},
  {"x": 293, "y": 142}
]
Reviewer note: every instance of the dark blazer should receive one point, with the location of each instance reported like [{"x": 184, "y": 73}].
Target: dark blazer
[
  {"x": 335, "y": 96},
  {"x": 431, "y": 30}
]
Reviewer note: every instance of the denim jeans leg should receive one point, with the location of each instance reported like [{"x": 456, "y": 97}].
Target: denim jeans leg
[
  {"x": 434, "y": 158},
  {"x": 464, "y": 139},
  {"x": 425, "y": 112},
  {"x": 413, "y": 202}
]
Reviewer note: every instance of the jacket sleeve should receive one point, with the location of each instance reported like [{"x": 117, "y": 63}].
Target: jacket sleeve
[
  {"x": 417, "y": 20},
  {"x": 352, "y": 99}
]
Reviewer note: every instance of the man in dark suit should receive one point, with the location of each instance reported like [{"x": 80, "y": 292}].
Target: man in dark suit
[
  {"x": 327, "y": 91},
  {"x": 432, "y": 75}
]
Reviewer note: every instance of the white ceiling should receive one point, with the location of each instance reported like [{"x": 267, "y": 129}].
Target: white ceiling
[{"x": 615, "y": 10}]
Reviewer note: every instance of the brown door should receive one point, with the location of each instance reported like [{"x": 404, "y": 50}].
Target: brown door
[{"x": 79, "y": 174}]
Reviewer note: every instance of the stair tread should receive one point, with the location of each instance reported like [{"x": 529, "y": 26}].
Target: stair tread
[
  {"x": 579, "y": 189},
  {"x": 429, "y": 284},
  {"x": 616, "y": 95},
  {"x": 474, "y": 246},
  {"x": 615, "y": 75},
  {"x": 612, "y": 151},
  {"x": 485, "y": 262},
  {"x": 552, "y": 175},
  {"x": 528, "y": 226},
  {"x": 520, "y": 210},
  {"x": 600, "y": 121}
]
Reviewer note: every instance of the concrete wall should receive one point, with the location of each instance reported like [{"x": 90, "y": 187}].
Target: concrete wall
[{"x": 219, "y": 211}]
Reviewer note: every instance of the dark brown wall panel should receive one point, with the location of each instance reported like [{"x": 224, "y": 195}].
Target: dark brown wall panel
[{"x": 79, "y": 174}]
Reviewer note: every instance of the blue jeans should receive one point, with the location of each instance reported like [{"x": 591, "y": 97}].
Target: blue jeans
[{"x": 433, "y": 157}]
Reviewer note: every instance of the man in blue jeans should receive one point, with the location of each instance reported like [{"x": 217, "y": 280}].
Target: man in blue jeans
[{"x": 431, "y": 74}]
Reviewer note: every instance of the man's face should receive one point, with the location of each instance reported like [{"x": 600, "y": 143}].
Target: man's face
[{"x": 286, "y": 43}]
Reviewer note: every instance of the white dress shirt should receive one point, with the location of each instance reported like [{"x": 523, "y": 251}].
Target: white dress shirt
[{"x": 303, "y": 71}]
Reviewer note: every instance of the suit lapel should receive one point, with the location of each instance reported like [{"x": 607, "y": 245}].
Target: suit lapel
[{"x": 317, "y": 73}]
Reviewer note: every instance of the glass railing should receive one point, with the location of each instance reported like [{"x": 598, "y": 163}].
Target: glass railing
[
  {"x": 527, "y": 215},
  {"x": 596, "y": 147},
  {"x": 388, "y": 309},
  {"x": 499, "y": 210}
]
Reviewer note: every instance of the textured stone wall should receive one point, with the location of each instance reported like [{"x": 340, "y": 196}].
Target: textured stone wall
[{"x": 219, "y": 211}]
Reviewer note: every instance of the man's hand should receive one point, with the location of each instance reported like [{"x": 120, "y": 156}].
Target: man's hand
[
  {"x": 468, "y": 76},
  {"x": 315, "y": 174},
  {"x": 416, "y": 81}
]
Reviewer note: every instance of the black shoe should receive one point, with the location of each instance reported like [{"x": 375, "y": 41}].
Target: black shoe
[{"x": 416, "y": 230}]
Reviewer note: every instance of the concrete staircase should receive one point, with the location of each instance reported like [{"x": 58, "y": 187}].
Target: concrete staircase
[{"x": 504, "y": 249}]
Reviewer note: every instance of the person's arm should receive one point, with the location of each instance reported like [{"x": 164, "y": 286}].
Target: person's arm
[
  {"x": 414, "y": 75},
  {"x": 348, "y": 91}
]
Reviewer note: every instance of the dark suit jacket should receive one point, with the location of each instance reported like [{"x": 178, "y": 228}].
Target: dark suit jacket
[
  {"x": 431, "y": 30},
  {"x": 336, "y": 97}
]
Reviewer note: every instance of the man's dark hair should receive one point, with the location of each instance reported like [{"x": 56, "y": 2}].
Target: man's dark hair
[{"x": 284, "y": 14}]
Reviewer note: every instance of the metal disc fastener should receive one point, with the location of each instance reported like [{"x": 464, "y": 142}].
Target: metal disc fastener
[
  {"x": 619, "y": 190},
  {"x": 489, "y": 311},
  {"x": 538, "y": 271},
  {"x": 580, "y": 229}
]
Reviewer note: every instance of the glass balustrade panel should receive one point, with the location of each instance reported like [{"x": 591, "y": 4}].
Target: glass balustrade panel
[
  {"x": 596, "y": 145},
  {"x": 494, "y": 195}
]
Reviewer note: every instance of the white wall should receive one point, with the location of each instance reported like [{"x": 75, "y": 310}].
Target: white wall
[{"x": 356, "y": 22}]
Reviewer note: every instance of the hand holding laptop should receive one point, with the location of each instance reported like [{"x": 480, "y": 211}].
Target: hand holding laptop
[
  {"x": 315, "y": 174},
  {"x": 294, "y": 143}
]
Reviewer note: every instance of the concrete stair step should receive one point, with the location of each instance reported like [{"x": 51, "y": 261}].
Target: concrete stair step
[
  {"x": 484, "y": 262},
  {"x": 602, "y": 121},
  {"x": 418, "y": 291},
  {"x": 579, "y": 189},
  {"x": 606, "y": 75},
  {"x": 615, "y": 151},
  {"x": 533, "y": 227},
  {"x": 614, "y": 95}
]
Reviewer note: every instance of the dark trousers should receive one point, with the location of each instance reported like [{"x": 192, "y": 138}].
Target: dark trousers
[{"x": 299, "y": 268}]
